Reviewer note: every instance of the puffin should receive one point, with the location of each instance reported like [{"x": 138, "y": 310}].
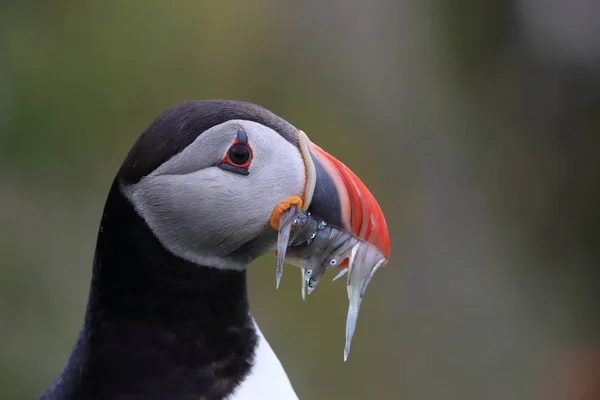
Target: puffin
[{"x": 191, "y": 206}]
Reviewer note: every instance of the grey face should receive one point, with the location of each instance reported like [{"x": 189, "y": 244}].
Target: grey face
[{"x": 218, "y": 217}]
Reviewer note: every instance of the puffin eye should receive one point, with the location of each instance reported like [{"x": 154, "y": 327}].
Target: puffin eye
[{"x": 239, "y": 154}]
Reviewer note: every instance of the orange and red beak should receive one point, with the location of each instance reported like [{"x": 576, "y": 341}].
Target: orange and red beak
[
  {"x": 334, "y": 194},
  {"x": 340, "y": 198}
]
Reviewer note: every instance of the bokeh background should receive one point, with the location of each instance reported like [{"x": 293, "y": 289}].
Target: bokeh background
[{"x": 475, "y": 124}]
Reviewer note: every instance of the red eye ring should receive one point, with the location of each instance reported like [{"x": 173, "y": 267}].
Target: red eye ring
[{"x": 239, "y": 156}]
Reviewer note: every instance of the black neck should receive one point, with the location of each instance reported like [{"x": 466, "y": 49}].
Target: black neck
[{"x": 157, "y": 326}]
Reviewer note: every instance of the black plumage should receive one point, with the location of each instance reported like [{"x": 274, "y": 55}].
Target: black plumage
[{"x": 157, "y": 326}]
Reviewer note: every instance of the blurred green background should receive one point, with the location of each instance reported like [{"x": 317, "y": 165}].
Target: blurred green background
[{"x": 475, "y": 124}]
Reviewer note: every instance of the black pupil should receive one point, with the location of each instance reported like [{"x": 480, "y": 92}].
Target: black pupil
[{"x": 239, "y": 154}]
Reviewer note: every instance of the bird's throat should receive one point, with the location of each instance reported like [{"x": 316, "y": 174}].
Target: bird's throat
[{"x": 156, "y": 323}]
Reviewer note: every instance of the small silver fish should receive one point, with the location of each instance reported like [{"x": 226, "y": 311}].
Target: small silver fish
[{"x": 314, "y": 246}]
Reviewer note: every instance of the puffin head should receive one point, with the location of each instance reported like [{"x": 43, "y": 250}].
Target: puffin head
[
  {"x": 206, "y": 177},
  {"x": 197, "y": 198}
]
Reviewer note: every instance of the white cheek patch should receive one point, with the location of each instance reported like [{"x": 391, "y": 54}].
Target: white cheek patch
[{"x": 203, "y": 215}]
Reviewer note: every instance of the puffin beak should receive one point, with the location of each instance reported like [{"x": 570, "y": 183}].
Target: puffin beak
[
  {"x": 341, "y": 199},
  {"x": 359, "y": 237}
]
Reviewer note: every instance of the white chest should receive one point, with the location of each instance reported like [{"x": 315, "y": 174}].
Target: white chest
[{"x": 267, "y": 379}]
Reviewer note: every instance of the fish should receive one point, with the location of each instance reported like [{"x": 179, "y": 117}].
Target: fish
[{"x": 307, "y": 242}]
